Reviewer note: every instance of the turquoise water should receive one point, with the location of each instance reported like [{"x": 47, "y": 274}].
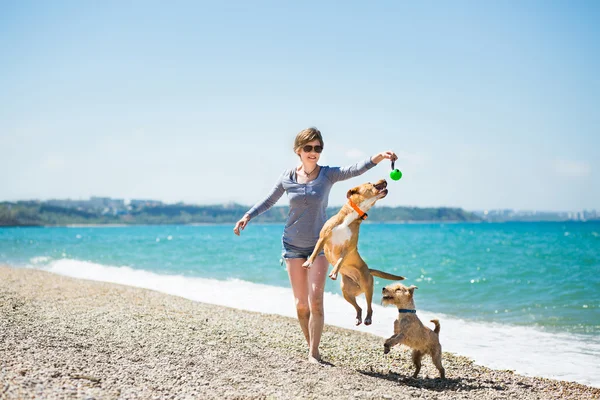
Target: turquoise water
[
  {"x": 544, "y": 275},
  {"x": 519, "y": 296}
]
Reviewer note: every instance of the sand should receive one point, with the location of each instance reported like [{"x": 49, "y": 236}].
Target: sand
[{"x": 65, "y": 338}]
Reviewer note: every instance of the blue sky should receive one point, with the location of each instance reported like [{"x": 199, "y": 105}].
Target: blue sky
[{"x": 488, "y": 104}]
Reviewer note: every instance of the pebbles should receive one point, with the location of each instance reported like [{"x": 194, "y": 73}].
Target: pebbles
[{"x": 67, "y": 338}]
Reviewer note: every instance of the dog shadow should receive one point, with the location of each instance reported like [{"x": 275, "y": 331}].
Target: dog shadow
[{"x": 435, "y": 384}]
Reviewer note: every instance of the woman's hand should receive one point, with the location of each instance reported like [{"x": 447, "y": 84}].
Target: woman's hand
[
  {"x": 241, "y": 224},
  {"x": 390, "y": 155}
]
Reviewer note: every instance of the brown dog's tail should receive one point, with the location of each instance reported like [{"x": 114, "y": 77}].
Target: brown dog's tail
[
  {"x": 385, "y": 275},
  {"x": 437, "y": 325}
]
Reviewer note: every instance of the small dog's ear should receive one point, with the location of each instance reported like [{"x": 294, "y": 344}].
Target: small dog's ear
[
  {"x": 411, "y": 289},
  {"x": 351, "y": 192}
]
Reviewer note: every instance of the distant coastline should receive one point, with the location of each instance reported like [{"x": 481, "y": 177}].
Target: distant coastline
[{"x": 103, "y": 211}]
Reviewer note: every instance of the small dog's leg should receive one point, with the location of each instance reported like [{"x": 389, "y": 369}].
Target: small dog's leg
[
  {"x": 392, "y": 341},
  {"x": 416, "y": 357},
  {"x": 436, "y": 357},
  {"x": 318, "y": 248}
]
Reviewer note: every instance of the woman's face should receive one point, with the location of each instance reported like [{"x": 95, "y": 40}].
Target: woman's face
[{"x": 310, "y": 152}]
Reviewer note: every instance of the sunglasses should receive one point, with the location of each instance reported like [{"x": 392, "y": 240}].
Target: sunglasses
[{"x": 308, "y": 148}]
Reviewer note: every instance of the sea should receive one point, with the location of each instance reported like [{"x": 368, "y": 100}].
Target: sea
[{"x": 511, "y": 296}]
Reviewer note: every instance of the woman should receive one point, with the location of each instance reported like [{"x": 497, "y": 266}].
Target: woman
[{"x": 308, "y": 187}]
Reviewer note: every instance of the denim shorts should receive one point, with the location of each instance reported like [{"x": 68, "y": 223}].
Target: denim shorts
[{"x": 290, "y": 251}]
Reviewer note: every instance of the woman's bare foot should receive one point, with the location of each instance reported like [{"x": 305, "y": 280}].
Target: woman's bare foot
[{"x": 314, "y": 358}]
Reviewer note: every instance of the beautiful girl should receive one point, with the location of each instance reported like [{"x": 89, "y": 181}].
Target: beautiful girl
[{"x": 308, "y": 186}]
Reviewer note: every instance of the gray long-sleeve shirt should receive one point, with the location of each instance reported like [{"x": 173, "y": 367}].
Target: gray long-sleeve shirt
[{"x": 308, "y": 201}]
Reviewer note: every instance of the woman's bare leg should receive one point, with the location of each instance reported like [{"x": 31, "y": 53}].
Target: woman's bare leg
[
  {"x": 308, "y": 286},
  {"x": 299, "y": 281},
  {"x": 317, "y": 274}
]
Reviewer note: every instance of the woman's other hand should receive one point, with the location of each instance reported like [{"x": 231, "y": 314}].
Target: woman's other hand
[{"x": 241, "y": 224}]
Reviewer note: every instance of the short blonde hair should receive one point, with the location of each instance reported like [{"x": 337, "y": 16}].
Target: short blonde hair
[{"x": 307, "y": 135}]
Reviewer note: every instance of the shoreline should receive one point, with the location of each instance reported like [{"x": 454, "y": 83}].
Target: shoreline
[
  {"x": 400, "y": 222},
  {"x": 67, "y": 337}
]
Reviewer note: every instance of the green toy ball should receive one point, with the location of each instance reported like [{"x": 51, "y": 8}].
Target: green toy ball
[{"x": 396, "y": 174}]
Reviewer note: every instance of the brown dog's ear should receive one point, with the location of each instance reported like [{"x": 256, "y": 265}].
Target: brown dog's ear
[
  {"x": 411, "y": 289},
  {"x": 351, "y": 192}
]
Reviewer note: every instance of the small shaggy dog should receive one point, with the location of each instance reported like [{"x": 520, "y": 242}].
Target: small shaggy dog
[{"x": 408, "y": 329}]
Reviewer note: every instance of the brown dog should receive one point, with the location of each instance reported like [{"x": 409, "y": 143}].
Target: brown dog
[
  {"x": 408, "y": 329},
  {"x": 339, "y": 238}
]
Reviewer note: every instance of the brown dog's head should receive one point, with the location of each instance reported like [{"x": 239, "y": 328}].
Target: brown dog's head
[
  {"x": 368, "y": 193},
  {"x": 399, "y": 295}
]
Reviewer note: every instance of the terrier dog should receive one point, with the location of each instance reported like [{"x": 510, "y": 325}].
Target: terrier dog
[
  {"x": 408, "y": 329},
  {"x": 339, "y": 239}
]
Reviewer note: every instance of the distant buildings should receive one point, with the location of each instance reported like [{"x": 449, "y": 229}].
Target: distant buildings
[
  {"x": 107, "y": 206},
  {"x": 102, "y": 202},
  {"x": 533, "y": 215},
  {"x": 103, "y": 205},
  {"x": 584, "y": 215},
  {"x": 137, "y": 203}
]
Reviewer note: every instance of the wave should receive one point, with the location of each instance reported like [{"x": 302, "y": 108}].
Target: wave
[{"x": 525, "y": 350}]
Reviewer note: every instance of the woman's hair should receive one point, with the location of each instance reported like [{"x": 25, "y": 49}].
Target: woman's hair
[{"x": 306, "y": 136}]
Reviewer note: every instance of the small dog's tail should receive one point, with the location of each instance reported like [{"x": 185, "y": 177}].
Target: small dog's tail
[
  {"x": 385, "y": 275},
  {"x": 437, "y": 325}
]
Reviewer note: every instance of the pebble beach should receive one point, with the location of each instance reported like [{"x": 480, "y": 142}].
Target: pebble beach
[{"x": 66, "y": 338}]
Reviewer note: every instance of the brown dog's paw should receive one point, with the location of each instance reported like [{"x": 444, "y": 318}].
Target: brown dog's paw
[{"x": 333, "y": 276}]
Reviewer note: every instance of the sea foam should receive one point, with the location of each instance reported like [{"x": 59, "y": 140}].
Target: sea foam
[{"x": 525, "y": 350}]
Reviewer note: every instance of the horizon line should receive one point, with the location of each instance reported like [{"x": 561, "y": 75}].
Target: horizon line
[{"x": 162, "y": 202}]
